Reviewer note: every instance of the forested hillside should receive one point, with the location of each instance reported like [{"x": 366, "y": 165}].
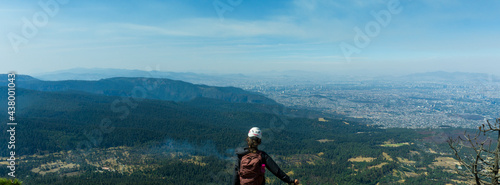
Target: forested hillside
[
  {"x": 77, "y": 137},
  {"x": 150, "y": 88}
]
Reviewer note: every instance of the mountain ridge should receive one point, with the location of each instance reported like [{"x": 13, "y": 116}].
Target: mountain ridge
[
  {"x": 150, "y": 88},
  {"x": 104, "y": 73}
]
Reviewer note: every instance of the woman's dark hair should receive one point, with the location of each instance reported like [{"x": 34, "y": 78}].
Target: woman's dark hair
[{"x": 253, "y": 143}]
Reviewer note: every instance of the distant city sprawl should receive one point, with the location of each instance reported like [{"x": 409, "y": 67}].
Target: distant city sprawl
[{"x": 396, "y": 103}]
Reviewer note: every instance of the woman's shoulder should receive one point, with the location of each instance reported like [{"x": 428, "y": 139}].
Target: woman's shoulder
[{"x": 263, "y": 153}]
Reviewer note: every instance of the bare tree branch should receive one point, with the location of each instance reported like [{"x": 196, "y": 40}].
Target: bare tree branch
[{"x": 482, "y": 165}]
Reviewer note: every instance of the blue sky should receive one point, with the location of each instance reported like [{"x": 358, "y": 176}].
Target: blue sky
[{"x": 252, "y": 36}]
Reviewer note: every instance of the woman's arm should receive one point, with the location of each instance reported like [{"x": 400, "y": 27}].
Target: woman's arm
[
  {"x": 275, "y": 169},
  {"x": 236, "y": 176}
]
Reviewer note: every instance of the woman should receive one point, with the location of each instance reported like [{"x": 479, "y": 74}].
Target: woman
[{"x": 251, "y": 164}]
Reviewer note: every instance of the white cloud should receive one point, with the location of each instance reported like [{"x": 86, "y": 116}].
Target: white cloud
[
  {"x": 275, "y": 28},
  {"x": 213, "y": 28}
]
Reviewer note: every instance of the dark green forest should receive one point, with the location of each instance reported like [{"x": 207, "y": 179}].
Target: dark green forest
[{"x": 75, "y": 137}]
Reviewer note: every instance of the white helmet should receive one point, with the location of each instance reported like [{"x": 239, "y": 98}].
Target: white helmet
[{"x": 255, "y": 132}]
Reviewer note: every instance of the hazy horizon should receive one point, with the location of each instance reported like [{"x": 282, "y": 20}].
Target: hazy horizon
[
  {"x": 296, "y": 73},
  {"x": 383, "y": 37},
  {"x": 158, "y": 69}
]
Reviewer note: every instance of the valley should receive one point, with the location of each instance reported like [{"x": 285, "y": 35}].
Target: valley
[{"x": 189, "y": 141}]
